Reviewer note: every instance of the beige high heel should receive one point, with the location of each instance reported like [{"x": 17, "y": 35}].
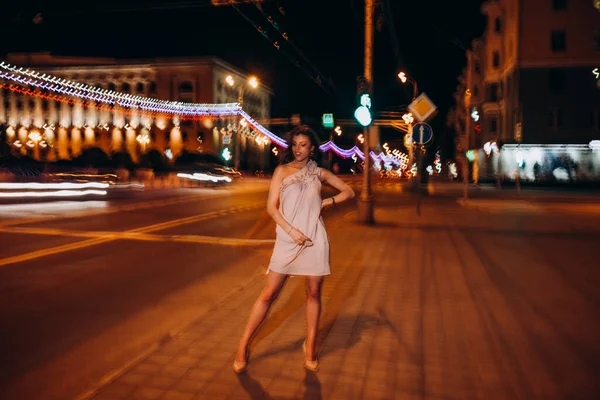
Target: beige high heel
[
  {"x": 241, "y": 366},
  {"x": 308, "y": 364}
]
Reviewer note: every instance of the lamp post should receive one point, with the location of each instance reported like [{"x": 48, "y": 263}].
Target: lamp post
[
  {"x": 365, "y": 200},
  {"x": 404, "y": 79},
  {"x": 408, "y": 141},
  {"x": 253, "y": 83},
  {"x": 338, "y": 132},
  {"x": 35, "y": 141}
]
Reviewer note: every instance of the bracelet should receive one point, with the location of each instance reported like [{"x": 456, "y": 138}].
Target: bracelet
[
  {"x": 291, "y": 229},
  {"x": 333, "y": 199}
]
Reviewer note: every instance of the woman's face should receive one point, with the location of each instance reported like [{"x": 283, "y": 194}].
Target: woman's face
[{"x": 301, "y": 147}]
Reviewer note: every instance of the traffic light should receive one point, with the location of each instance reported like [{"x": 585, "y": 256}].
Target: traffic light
[{"x": 363, "y": 111}]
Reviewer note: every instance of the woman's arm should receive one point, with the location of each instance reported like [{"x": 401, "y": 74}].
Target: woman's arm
[
  {"x": 273, "y": 209},
  {"x": 346, "y": 192}
]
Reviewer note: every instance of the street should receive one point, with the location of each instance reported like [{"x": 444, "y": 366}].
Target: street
[{"x": 496, "y": 298}]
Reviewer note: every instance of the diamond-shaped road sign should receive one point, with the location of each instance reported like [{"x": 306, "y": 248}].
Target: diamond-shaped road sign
[{"x": 422, "y": 108}]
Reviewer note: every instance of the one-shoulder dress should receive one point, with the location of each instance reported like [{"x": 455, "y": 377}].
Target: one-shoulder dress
[{"x": 300, "y": 205}]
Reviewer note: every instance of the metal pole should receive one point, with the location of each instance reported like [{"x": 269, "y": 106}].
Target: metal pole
[
  {"x": 330, "y": 151},
  {"x": 237, "y": 149},
  {"x": 415, "y": 89},
  {"x": 365, "y": 200},
  {"x": 465, "y": 171},
  {"x": 518, "y": 176}
]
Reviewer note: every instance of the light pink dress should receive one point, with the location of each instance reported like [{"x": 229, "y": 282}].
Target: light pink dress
[{"x": 300, "y": 205}]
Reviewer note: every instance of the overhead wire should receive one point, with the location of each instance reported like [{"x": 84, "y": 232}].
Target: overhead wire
[
  {"x": 317, "y": 79},
  {"x": 286, "y": 36},
  {"x": 387, "y": 10}
]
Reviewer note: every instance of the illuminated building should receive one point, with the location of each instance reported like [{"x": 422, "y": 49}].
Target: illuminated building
[
  {"x": 530, "y": 80},
  {"x": 69, "y": 128}
]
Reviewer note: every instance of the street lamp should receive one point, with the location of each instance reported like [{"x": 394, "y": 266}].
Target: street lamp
[
  {"x": 253, "y": 83},
  {"x": 404, "y": 79},
  {"x": 143, "y": 140},
  {"x": 36, "y": 140}
]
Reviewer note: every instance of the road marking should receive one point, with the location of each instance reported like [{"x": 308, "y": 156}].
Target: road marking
[
  {"x": 130, "y": 235},
  {"x": 133, "y": 234}
]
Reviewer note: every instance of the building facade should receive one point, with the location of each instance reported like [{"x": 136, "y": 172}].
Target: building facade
[
  {"x": 536, "y": 85},
  {"x": 67, "y": 129}
]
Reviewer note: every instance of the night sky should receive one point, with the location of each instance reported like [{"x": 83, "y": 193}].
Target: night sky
[{"x": 325, "y": 36}]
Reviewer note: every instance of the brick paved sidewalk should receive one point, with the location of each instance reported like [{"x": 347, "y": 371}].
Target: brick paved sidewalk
[{"x": 411, "y": 310}]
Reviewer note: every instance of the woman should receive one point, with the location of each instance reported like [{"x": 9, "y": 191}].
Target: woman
[{"x": 302, "y": 246}]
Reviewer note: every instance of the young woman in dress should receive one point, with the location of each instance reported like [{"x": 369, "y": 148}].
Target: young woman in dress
[{"x": 302, "y": 246}]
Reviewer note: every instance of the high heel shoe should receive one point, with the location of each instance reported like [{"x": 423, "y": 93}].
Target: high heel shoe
[
  {"x": 308, "y": 364},
  {"x": 241, "y": 366}
]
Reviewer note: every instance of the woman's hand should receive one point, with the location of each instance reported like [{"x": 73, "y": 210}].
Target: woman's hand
[
  {"x": 326, "y": 203},
  {"x": 300, "y": 238}
]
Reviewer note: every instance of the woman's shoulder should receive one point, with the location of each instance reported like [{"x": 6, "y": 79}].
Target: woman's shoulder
[{"x": 282, "y": 169}]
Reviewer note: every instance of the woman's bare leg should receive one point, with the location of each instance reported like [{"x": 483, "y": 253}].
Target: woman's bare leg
[
  {"x": 313, "y": 313},
  {"x": 260, "y": 310}
]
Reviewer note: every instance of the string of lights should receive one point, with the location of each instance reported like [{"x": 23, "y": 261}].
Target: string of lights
[{"x": 107, "y": 100}]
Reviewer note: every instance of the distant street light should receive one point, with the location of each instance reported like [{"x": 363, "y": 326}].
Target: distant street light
[
  {"x": 253, "y": 83},
  {"x": 404, "y": 79}
]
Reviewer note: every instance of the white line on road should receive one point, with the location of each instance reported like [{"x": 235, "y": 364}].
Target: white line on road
[{"x": 134, "y": 234}]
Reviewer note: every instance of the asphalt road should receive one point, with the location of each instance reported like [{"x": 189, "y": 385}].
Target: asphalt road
[
  {"x": 86, "y": 288},
  {"x": 81, "y": 297}
]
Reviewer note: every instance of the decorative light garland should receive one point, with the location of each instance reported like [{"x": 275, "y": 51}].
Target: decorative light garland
[
  {"x": 129, "y": 104},
  {"x": 54, "y": 84}
]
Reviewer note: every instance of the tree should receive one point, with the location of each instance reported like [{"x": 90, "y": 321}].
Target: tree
[
  {"x": 154, "y": 159},
  {"x": 93, "y": 157},
  {"x": 122, "y": 159}
]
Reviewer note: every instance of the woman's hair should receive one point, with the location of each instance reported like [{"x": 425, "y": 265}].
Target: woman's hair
[{"x": 287, "y": 155}]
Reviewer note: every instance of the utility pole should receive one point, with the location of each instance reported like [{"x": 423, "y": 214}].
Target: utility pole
[
  {"x": 238, "y": 138},
  {"x": 365, "y": 200}
]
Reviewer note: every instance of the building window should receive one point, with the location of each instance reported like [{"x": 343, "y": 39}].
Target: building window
[
  {"x": 557, "y": 79},
  {"x": 112, "y": 86},
  {"x": 186, "y": 87},
  {"x": 475, "y": 90},
  {"x": 558, "y": 41},
  {"x": 478, "y": 67},
  {"x": 497, "y": 25},
  {"x": 559, "y": 5},
  {"x": 555, "y": 119},
  {"x": 496, "y": 59},
  {"x": 493, "y": 125},
  {"x": 139, "y": 87},
  {"x": 125, "y": 87},
  {"x": 152, "y": 87},
  {"x": 597, "y": 39},
  {"x": 493, "y": 92}
]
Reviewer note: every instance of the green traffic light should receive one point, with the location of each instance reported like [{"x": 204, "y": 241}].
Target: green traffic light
[{"x": 363, "y": 112}]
